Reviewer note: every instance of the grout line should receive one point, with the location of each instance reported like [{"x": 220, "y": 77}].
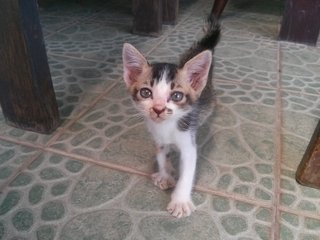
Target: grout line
[
  {"x": 80, "y": 114},
  {"x": 22, "y": 143},
  {"x": 210, "y": 191},
  {"x": 230, "y": 81},
  {"x": 278, "y": 158},
  {"x": 233, "y": 81},
  {"x": 233, "y": 196},
  {"x": 19, "y": 170},
  {"x": 300, "y": 213},
  {"x": 99, "y": 163},
  {"x": 73, "y": 57},
  {"x": 74, "y": 22}
]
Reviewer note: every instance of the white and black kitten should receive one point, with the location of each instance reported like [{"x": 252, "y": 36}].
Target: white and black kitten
[{"x": 171, "y": 98}]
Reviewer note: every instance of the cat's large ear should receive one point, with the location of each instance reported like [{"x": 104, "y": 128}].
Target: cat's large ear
[
  {"x": 133, "y": 64},
  {"x": 197, "y": 70}
]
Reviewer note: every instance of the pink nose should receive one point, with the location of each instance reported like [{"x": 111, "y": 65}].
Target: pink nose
[{"x": 158, "y": 111}]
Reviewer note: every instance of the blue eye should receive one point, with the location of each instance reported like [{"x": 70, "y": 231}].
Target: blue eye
[
  {"x": 145, "y": 93},
  {"x": 177, "y": 96}
]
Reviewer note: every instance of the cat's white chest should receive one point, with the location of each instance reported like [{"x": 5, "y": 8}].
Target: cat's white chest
[{"x": 163, "y": 133}]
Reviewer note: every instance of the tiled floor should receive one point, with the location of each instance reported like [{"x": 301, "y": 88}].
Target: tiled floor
[{"x": 90, "y": 178}]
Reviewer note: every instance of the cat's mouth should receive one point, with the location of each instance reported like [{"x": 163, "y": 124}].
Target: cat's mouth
[
  {"x": 157, "y": 118},
  {"x": 158, "y": 115}
]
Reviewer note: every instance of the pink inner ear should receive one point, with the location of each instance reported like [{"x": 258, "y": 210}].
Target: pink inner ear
[
  {"x": 132, "y": 74},
  {"x": 197, "y": 70},
  {"x": 133, "y": 62},
  {"x": 195, "y": 81}
]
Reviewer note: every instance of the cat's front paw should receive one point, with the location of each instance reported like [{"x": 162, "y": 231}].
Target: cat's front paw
[
  {"x": 180, "y": 208},
  {"x": 163, "y": 181}
]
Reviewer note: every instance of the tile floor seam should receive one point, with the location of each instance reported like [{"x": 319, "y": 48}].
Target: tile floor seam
[
  {"x": 234, "y": 81},
  {"x": 80, "y": 114},
  {"x": 233, "y": 196},
  {"x": 74, "y": 58},
  {"x": 108, "y": 165},
  {"x": 60, "y": 29},
  {"x": 278, "y": 155},
  {"x": 78, "y": 20},
  {"x": 299, "y": 212},
  {"x": 19, "y": 170},
  {"x": 131, "y": 170},
  {"x": 22, "y": 143},
  {"x": 301, "y": 92}
]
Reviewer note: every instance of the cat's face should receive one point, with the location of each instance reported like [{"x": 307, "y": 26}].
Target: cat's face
[{"x": 162, "y": 91}]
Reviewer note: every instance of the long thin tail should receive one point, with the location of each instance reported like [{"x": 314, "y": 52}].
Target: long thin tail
[{"x": 208, "y": 42}]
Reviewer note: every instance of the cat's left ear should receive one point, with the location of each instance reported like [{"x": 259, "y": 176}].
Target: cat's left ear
[
  {"x": 197, "y": 70},
  {"x": 133, "y": 64}
]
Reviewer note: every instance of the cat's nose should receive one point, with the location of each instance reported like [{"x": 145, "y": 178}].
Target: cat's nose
[{"x": 158, "y": 110}]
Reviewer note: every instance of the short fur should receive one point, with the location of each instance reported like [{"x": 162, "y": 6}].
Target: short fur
[{"x": 172, "y": 98}]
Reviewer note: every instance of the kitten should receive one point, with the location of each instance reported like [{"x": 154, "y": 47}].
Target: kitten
[{"x": 172, "y": 98}]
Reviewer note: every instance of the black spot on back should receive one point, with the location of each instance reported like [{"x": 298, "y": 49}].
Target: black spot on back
[{"x": 159, "y": 68}]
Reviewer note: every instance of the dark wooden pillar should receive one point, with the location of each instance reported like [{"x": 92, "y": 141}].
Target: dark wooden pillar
[
  {"x": 26, "y": 91},
  {"x": 308, "y": 172},
  {"x": 301, "y": 21},
  {"x": 218, "y": 7},
  {"x": 147, "y": 17},
  {"x": 170, "y": 11}
]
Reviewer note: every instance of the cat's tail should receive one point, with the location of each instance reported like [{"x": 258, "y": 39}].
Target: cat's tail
[{"x": 207, "y": 42}]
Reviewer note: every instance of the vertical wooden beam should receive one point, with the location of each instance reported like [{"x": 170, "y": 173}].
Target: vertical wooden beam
[
  {"x": 308, "y": 172},
  {"x": 147, "y": 17},
  {"x": 26, "y": 91},
  {"x": 218, "y": 7},
  {"x": 170, "y": 10},
  {"x": 301, "y": 21}
]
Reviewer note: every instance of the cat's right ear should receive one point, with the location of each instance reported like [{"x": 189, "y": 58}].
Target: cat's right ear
[{"x": 133, "y": 64}]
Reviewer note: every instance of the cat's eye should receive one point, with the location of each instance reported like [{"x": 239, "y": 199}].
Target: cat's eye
[
  {"x": 177, "y": 96},
  {"x": 145, "y": 93}
]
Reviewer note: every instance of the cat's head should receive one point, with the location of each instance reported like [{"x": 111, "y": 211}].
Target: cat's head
[{"x": 162, "y": 91}]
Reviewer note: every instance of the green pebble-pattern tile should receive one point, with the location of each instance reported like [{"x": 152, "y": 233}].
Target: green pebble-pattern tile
[
  {"x": 23, "y": 220},
  {"x": 9, "y": 202},
  {"x": 104, "y": 224},
  {"x": 45, "y": 233},
  {"x": 198, "y": 226},
  {"x": 53, "y": 210},
  {"x": 36, "y": 193},
  {"x": 234, "y": 224},
  {"x": 2, "y": 231},
  {"x": 97, "y": 186}
]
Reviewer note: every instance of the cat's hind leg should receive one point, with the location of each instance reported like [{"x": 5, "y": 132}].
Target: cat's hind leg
[{"x": 163, "y": 178}]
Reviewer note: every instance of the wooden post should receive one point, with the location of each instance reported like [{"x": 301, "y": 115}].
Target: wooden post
[
  {"x": 170, "y": 10},
  {"x": 218, "y": 7},
  {"x": 308, "y": 172},
  {"x": 301, "y": 21},
  {"x": 26, "y": 91},
  {"x": 147, "y": 17}
]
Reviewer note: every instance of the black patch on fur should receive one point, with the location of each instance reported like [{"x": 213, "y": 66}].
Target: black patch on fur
[
  {"x": 172, "y": 85},
  {"x": 134, "y": 95},
  {"x": 159, "y": 68},
  {"x": 189, "y": 100},
  {"x": 189, "y": 121}
]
